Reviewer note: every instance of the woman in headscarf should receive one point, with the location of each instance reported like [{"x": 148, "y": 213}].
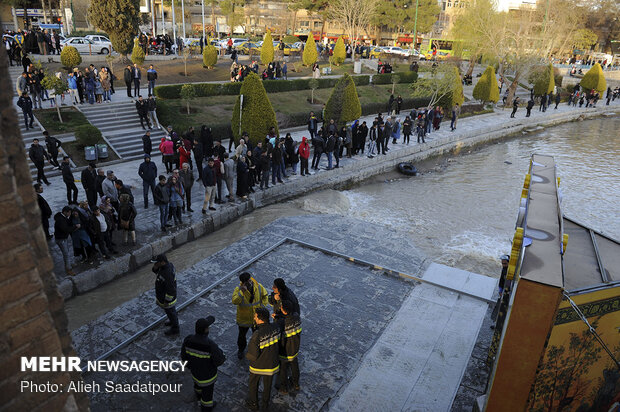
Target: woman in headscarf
[{"x": 126, "y": 217}]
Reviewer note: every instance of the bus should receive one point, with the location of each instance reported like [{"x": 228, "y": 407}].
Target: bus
[{"x": 444, "y": 48}]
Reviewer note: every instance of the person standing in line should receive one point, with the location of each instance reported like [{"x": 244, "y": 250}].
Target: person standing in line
[
  {"x": 264, "y": 164},
  {"x": 399, "y": 103},
  {"x": 25, "y": 103},
  {"x": 147, "y": 145},
  {"x": 127, "y": 77},
  {"x": 109, "y": 188},
  {"x": 166, "y": 291},
  {"x": 530, "y": 105},
  {"x": 318, "y": 143},
  {"x": 148, "y": 172},
  {"x": 136, "y": 76},
  {"x": 177, "y": 193},
  {"x": 421, "y": 128},
  {"x": 203, "y": 357},
  {"x": 248, "y": 296},
  {"x": 372, "y": 136},
  {"x": 186, "y": 177},
  {"x": 152, "y": 108},
  {"x": 263, "y": 354},
  {"x": 46, "y": 211},
  {"x": 304, "y": 155},
  {"x": 313, "y": 124},
  {"x": 229, "y": 176},
  {"x": 161, "y": 198},
  {"x": 151, "y": 76},
  {"x": 52, "y": 145},
  {"x": 515, "y": 106},
  {"x": 89, "y": 183},
  {"x": 456, "y": 111},
  {"x": 63, "y": 227},
  {"x": 143, "y": 111},
  {"x": 69, "y": 181},
  {"x": 406, "y": 129},
  {"x": 99, "y": 181},
  {"x": 127, "y": 217},
  {"x": 290, "y": 339},
  {"x": 209, "y": 181},
  {"x": 99, "y": 233},
  {"x": 558, "y": 98}
]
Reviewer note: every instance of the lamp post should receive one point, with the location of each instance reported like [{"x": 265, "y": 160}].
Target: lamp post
[
  {"x": 174, "y": 28},
  {"x": 415, "y": 25},
  {"x": 183, "y": 16},
  {"x": 204, "y": 38}
]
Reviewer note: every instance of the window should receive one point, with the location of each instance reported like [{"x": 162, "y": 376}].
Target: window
[{"x": 304, "y": 23}]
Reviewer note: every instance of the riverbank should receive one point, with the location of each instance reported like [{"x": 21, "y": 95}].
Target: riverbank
[{"x": 471, "y": 131}]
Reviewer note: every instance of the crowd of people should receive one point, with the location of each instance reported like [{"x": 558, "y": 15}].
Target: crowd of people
[{"x": 23, "y": 42}]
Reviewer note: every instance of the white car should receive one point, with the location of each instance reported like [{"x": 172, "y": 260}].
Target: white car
[
  {"x": 84, "y": 45},
  {"x": 396, "y": 50}
]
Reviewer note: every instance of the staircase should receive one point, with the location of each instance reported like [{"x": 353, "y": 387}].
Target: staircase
[
  {"x": 120, "y": 125},
  {"x": 14, "y": 72}
]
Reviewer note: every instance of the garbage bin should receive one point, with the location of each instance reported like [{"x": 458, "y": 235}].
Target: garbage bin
[
  {"x": 90, "y": 153},
  {"x": 102, "y": 151},
  {"x": 357, "y": 67}
]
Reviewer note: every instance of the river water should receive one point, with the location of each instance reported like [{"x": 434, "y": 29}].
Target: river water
[{"x": 461, "y": 211}]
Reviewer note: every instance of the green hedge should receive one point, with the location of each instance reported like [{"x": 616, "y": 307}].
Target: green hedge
[
  {"x": 386, "y": 78},
  {"x": 232, "y": 89}
]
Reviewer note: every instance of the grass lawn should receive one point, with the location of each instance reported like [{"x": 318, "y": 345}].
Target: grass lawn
[
  {"x": 291, "y": 108},
  {"x": 71, "y": 118}
]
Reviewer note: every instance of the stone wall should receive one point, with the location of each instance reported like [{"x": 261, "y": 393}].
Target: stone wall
[{"x": 32, "y": 311}]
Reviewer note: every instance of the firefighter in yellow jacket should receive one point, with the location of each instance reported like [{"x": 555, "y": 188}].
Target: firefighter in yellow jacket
[{"x": 248, "y": 296}]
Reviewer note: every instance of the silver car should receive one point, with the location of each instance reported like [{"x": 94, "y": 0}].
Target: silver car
[{"x": 84, "y": 45}]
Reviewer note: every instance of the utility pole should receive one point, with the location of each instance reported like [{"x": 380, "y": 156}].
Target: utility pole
[
  {"x": 163, "y": 22},
  {"x": 152, "y": 4},
  {"x": 183, "y": 16},
  {"x": 204, "y": 38},
  {"x": 415, "y": 25},
  {"x": 174, "y": 29}
]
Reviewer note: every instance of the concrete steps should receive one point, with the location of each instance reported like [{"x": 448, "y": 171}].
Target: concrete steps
[
  {"x": 120, "y": 125},
  {"x": 14, "y": 73}
]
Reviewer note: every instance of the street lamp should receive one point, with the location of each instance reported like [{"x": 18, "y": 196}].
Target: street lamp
[{"x": 415, "y": 24}]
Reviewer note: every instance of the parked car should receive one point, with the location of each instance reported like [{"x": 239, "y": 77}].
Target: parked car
[
  {"x": 247, "y": 46},
  {"x": 84, "y": 45},
  {"x": 294, "y": 48},
  {"x": 375, "y": 52},
  {"x": 396, "y": 50}
]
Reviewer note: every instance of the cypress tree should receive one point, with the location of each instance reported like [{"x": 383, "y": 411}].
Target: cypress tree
[
  {"x": 486, "y": 89},
  {"x": 340, "y": 53},
  {"x": 544, "y": 81},
  {"x": 310, "y": 55},
  {"x": 137, "y": 55},
  {"x": 120, "y": 19},
  {"x": 343, "y": 105},
  {"x": 209, "y": 56},
  {"x": 257, "y": 116},
  {"x": 594, "y": 79},
  {"x": 266, "y": 51}
]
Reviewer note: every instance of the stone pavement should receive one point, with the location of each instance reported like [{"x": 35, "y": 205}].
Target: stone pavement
[
  {"x": 347, "y": 311},
  {"x": 479, "y": 128}
]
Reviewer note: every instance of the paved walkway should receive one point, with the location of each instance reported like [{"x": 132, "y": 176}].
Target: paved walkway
[{"x": 147, "y": 222}]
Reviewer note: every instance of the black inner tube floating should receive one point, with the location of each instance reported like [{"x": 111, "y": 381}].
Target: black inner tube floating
[{"x": 407, "y": 168}]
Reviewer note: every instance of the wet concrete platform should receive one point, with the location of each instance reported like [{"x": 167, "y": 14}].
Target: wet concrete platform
[{"x": 349, "y": 312}]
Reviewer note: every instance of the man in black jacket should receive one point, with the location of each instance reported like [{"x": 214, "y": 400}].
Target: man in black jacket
[
  {"x": 142, "y": 107},
  {"x": 318, "y": 143},
  {"x": 46, "y": 211},
  {"x": 69, "y": 181},
  {"x": 152, "y": 105},
  {"x": 99, "y": 180},
  {"x": 203, "y": 357},
  {"x": 166, "y": 291},
  {"x": 362, "y": 133},
  {"x": 53, "y": 145},
  {"x": 136, "y": 75},
  {"x": 290, "y": 339},
  {"x": 123, "y": 190},
  {"x": 25, "y": 103},
  {"x": 38, "y": 155},
  {"x": 280, "y": 293},
  {"x": 161, "y": 198},
  {"x": 148, "y": 172},
  {"x": 312, "y": 125},
  {"x": 263, "y": 354},
  {"x": 89, "y": 183},
  {"x": 63, "y": 227},
  {"x": 147, "y": 145},
  {"x": 127, "y": 77},
  {"x": 209, "y": 182}
]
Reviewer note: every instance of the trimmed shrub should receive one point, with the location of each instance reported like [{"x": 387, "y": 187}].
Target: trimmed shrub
[
  {"x": 70, "y": 57},
  {"x": 87, "y": 135},
  {"x": 386, "y": 78},
  {"x": 343, "y": 105},
  {"x": 340, "y": 53},
  {"x": 543, "y": 80},
  {"x": 257, "y": 115},
  {"x": 266, "y": 52},
  {"x": 137, "y": 54},
  {"x": 209, "y": 56},
  {"x": 594, "y": 79},
  {"x": 310, "y": 54},
  {"x": 486, "y": 89}
]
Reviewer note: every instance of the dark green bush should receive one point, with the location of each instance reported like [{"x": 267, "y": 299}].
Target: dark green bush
[
  {"x": 168, "y": 92},
  {"x": 87, "y": 135},
  {"x": 386, "y": 78}
]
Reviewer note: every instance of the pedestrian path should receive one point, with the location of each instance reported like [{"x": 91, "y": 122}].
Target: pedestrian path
[
  {"x": 119, "y": 124},
  {"x": 14, "y": 72},
  {"x": 419, "y": 360}
]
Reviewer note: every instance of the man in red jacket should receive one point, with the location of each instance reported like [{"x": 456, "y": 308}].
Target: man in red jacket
[{"x": 304, "y": 154}]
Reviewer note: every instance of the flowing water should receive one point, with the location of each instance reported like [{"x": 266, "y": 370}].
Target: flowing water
[{"x": 461, "y": 212}]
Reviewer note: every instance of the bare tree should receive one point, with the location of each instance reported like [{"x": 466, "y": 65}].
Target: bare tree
[{"x": 354, "y": 15}]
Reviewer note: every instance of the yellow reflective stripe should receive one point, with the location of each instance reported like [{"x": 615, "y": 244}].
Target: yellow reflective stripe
[
  {"x": 264, "y": 371},
  {"x": 210, "y": 403},
  {"x": 199, "y": 354},
  {"x": 295, "y": 332},
  {"x": 169, "y": 296},
  {"x": 270, "y": 342},
  {"x": 289, "y": 357},
  {"x": 205, "y": 382},
  {"x": 166, "y": 304}
]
